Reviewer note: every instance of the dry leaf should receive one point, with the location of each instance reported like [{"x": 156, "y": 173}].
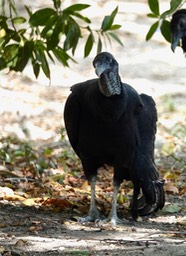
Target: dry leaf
[
  {"x": 2, "y": 249},
  {"x": 21, "y": 243},
  {"x": 182, "y": 221},
  {"x": 168, "y": 148},
  {"x": 85, "y": 186},
  {"x": 58, "y": 202},
  {"x": 35, "y": 228},
  {"x": 171, "y": 188},
  {"x": 29, "y": 201}
]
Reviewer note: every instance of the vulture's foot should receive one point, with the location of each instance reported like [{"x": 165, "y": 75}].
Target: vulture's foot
[
  {"x": 91, "y": 217},
  {"x": 110, "y": 221}
]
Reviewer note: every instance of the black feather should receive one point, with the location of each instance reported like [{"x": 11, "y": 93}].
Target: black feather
[
  {"x": 108, "y": 122},
  {"x": 178, "y": 29}
]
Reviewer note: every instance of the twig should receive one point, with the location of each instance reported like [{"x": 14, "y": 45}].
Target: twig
[{"x": 19, "y": 179}]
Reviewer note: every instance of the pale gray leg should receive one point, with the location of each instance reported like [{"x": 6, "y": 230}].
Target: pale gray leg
[
  {"x": 93, "y": 213},
  {"x": 113, "y": 217}
]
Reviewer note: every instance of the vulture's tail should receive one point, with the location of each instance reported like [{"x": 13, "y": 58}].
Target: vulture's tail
[
  {"x": 150, "y": 187},
  {"x": 146, "y": 178},
  {"x": 153, "y": 198}
]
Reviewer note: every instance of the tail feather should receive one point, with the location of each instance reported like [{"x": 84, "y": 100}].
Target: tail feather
[
  {"x": 145, "y": 174},
  {"x": 152, "y": 200}
]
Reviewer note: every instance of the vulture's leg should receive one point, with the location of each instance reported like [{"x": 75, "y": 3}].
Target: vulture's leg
[
  {"x": 93, "y": 213},
  {"x": 113, "y": 217}
]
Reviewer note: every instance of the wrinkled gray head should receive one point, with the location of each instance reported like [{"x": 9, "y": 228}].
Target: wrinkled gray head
[
  {"x": 106, "y": 68},
  {"x": 178, "y": 29}
]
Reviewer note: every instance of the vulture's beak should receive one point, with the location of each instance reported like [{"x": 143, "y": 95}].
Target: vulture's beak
[
  {"x": 99, "y": 69},
  {"x": 175, "y": 40}
]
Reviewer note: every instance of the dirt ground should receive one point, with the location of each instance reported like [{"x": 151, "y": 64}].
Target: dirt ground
[{"x": 33, "y": 110}]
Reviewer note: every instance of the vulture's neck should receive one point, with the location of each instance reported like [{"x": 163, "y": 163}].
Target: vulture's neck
[{"x": 110, "y": 83}]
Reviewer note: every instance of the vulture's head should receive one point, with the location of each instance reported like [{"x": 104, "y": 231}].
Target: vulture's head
[
  {"x": 105, "y": 62},
  {"x": 106, "y": 68},
  {"x": 178, "y": 29}
]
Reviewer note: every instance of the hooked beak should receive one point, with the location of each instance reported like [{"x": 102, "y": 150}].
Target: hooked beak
[
  {"x": 100, "y": 68},
  {"x": 175, "y": 40}
]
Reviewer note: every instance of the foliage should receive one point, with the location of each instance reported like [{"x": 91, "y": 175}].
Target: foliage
[
  {"x": 162, "y": 19},
  {"x": 48, "y": 35}
]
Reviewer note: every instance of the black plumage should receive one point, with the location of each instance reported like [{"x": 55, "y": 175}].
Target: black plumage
[
  {"x": 178, "y": 29},
  {"x": 108, "y": 122}
]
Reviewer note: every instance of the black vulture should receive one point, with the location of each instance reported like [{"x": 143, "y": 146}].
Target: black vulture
[
  {"x": 178, "y": 29},
  {"x": 109, "y": 123}
]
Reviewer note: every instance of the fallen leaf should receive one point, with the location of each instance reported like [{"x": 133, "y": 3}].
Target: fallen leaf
[
  {"x": 122, "y": 198},
  {"x": 171, "y": 188},
  {"x": 29, "y": 201},
  {"x": 2, "y": 249},
  {"x": 182, "y": 221},
  {"x": 35, "y": 228},
  {"x": 85, "y": 186},
  {"x": 168, "y": 148},
  {"x": 80, "y": 253},
  {"x": 171, "y": 208},
  {"x": 57, "y": 202},
  {"x": 21, "y": 242},
  {"x": 183, "y": 191}
]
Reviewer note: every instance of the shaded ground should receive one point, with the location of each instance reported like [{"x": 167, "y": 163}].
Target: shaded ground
[
  {"x": 34, "y": 232},
  {"x": 34, "y": 112}
]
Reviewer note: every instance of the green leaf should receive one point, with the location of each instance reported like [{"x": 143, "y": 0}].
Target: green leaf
[
  {"x": 21, "y": 32},
  {"x": 19, "y": 20},
  {"x": 48, "y": 152},
  {"x": 50, "y": 56},
  {"x": 81, "y": 17},
  {"x": 116, "y": 38},
  {"x": 171, "y": 208},
  {"x": 76, "y": 7},
  {"x": 154, "y": 6},
  {"x": 174, "y": 5},
  {"x": 41, "y": 17},
  {"x": 152, "y": 15},
  {"x": 23, "y": 56},
  {"x": 89, "y": 45},
  {"x": 7, "y": 158},
  {"x": 19, "y": 153},
  {"x": 57, "y": 3},
  {"x": 36, "y": 69},
  {"x": 108, "y": 20},
  {"x": 3, "y": 64},
  {"x": 54, "y": 35},
  {"x": 152, "y": 30},
  {"x": 10, "y": 51},
  {"x": 61, "y": 55},
  {"x": 99, "y": 47},
  {"x": 72, "y": 37},
  {"x": 28, "y": 9},
  {"x": 165, "y": 30},
  {"x": 41, "y": 57},
  {"x": 44, "y": 64},
  {"x": 115, "y": 27}
]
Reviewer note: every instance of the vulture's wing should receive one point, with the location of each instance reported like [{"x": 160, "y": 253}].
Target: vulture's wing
[{"x": 71, "y": 118}]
